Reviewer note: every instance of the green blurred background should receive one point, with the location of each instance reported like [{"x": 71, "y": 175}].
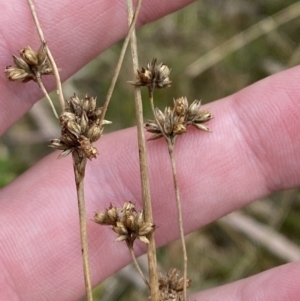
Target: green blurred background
[{"x": 215, "y": 48}]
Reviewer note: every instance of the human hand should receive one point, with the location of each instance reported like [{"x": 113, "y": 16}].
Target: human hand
[{"x": 252, "y": 152}]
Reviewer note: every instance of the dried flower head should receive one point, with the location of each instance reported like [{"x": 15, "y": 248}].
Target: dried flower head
[
  {"x": 173, "y": 122},
  {"x": 79, "y": 127},
  {"x": 154, "y": 76},
  {"x": 126, "y": 222},
  {"x": 171, "y": 286},
  {"x": 30, "y": 65}
]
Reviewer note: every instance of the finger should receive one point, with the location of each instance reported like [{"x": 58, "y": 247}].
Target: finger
[
  {"x": 76, "y": 32},
  {"x": 277, "y": 284},
  {"x": 252, "y": 151}
]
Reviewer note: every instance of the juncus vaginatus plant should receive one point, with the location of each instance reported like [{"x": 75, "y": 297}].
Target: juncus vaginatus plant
[{"x": 82, "y": 124}]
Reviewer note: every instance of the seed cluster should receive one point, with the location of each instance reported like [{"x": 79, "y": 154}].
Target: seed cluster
[
  {"x": 171, "y": 286},
  {"x": 174, "y": 121},
  {"x": 80, "y": 127},
  {"x": 30, "y": 65},
  {"x": 126, "y": 222},
  {"x": 154, "y": 76}
]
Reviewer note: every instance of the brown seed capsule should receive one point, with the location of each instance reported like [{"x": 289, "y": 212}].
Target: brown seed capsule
[
  {"x": 168, "y": 125},
  {"x": 179, "y": 129},
  {"x": 100, "y": 218},
  {"x": 146, "y": 229},
  {"x": 92, "y": 105},
  {"x": 69, "y": 139},
  {"x": 120, "y": 229},
  {"x": 203, "y": 116},
  {"x": 160, "y": 116},
  {"x": 89, "y": 150},
  {"x": 130, "y": 223},
  {"x": 21, "y": 64},
  {"x": 194, "y": 108},
  {"x": 16, "y": 74},
  {"x": 97, "y": 113},
  {"x": 139, "y": 219},
  {"x": 152, "y": 127},
  {"x": 65, "y": 117},
  {"x": 112, "y": 215},
  {"x": 180, "y": 106},
  {"x": 74, "y": 128},
  {"x": 86, "y": 104},
  {"x": 94, "y": 133},
  {"x": 145, "y": 77},
  {"x": 42, "y": 54},
  {"x": 128, "y": 207},
  {"x": 84, "y": 123},
  {"x": 29, "y": 56}
]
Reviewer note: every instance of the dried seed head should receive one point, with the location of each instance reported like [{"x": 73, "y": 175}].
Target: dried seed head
[
  {"x": 154, "y": 76},
  {"x": 33, "y": 65},
  {"x": 126, "y": 222},
  {"x": 173, "y": 122},
  {"x": 171, "y": 286},
  {"x": 80, "y": 126},
  {"x": 197, "y": 117}
]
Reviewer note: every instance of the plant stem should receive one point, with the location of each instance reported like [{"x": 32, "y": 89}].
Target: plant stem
[
  {"x": 79, "y": 164},
  {"x": 179, "y": 213},
  {"x": 130, "y": 247},
  {"x": 51, "y": 59},
  {"x": 151, "y": 251},
  {"x": 171, "y": 142},
  {"x": 119, "y": 64},
  {"x": 39, "y": 80}
]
